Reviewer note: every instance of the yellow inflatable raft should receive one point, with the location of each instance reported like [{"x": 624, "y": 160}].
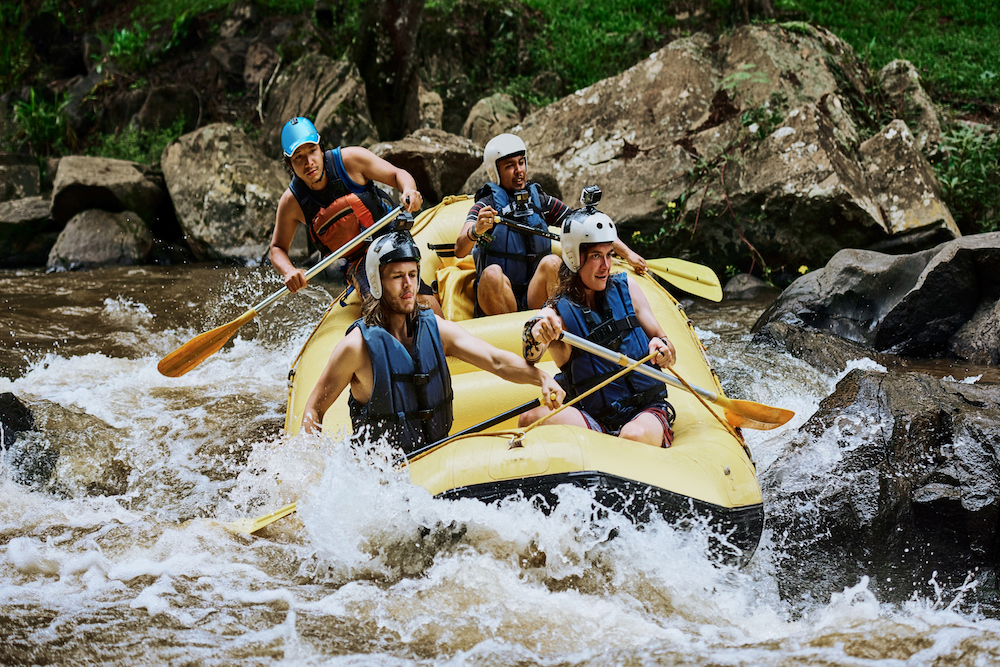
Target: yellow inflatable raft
[{"x": 707, "y": 472}]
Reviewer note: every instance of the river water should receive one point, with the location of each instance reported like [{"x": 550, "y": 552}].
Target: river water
[{"x": 371, "y": 571}]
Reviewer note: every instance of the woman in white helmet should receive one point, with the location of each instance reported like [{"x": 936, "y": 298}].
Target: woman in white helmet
[
  {"x": 609, "y": 309},
  {"x": 514, "y": 270},
  {"x": 393, "y": 358}
]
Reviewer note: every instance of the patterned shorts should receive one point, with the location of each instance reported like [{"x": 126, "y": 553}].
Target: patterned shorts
[{"x": 661, "y": 410}]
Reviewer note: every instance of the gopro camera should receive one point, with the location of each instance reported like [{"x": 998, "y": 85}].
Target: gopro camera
[
  {"x": 402, "y": 223},
  {"x": 590, "y": 196},
  {"x": 519, "y": 206}
]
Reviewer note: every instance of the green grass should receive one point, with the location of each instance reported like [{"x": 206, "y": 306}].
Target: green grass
[
  {"x": 137, "y": 145},
  {"x": 955, "y": 45}
]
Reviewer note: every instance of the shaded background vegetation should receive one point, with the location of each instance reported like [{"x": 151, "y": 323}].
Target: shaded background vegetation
[{"x": 534, "y": 50}]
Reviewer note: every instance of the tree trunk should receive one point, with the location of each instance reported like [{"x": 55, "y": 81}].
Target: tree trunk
[{"x": 386, "y": 56}]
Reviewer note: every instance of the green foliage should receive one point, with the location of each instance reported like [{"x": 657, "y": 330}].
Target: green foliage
[
  {"x": 138, "y": 145},
  {"x": 179, "y": 31},
  {"x": 128, "y": 47},
  {"x": 761, "y": 121},
  {"x": 968, "y": 173},
  {"x": 13, "y": 47},
  {"x": 955, "y": 45},
  {"x": 44, "y": 125},
  {"x": 584, "y": 42},
  {"x": 744, "y": 74}
]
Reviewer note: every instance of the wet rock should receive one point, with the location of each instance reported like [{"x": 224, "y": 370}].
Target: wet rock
[
  {"x": 70, "y": 453},
  {"x": 19, "y": 177},
  {"x": 901, "y": 84},
  {"x": 97, "y": 238},
  {"x": 978, "y": 340},
  {"x": 745, "y": 287},
  {"x": 15, "y": 418},
  {"x": 27, "y": 232},
  {"x": 84, "y": 183},
  {"x": 489, "y": 117},
  {"x": 909, "y": 305},
  {"x": 820, "y": 349},
  {"x": 225, "y": 192},
  {"x": 438, "y": 161},
  {"x": 328, "y": 92},
  {"x": 895, "y": 476}
]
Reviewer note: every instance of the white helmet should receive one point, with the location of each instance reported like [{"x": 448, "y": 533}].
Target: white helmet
[
  {"x": 500, "y": 147},
  {"x": 392, "y": 247},
  {"x": 584, "y": 225}
]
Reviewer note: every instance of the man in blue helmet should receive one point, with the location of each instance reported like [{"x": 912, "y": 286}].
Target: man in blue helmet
[
  {"x": 332, "y": 193},
  {"x": 515, "y": 270},
  {"x": 610, "y": 310},
  {"x": 393, "y": 358}
]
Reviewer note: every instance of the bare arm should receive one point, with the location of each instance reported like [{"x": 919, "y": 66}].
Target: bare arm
[
  {"x": 286, "y": 222},
  {"x": 658, "y": 341},
  {"x": 362, "y": 165},
  {"x": 347, "y": 362},
  {"x": 462, "y": 345},
  {"x": 483, "y": 224},
  {"x": 630, "y": 256}
]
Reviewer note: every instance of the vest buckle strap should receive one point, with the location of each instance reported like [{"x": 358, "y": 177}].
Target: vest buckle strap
[{"x": 420, "y": 379}]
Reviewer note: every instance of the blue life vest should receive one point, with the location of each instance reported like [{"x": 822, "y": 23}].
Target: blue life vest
[
  {"x": 342, "y": 210},
  {"x": 517, "y": 253},
  {"x": 615, "y": 327},
  {"x": 411, "y": 399}
]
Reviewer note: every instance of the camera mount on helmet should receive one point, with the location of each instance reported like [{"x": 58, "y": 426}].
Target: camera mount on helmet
[{"x": 585, "y": 225}]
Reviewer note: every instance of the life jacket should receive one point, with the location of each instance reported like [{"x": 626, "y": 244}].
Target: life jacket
[
  {"x": 341, "y": 211},
  {"x": 615, "y": 327},
  {"x": 517, "y": 253},
  {"x": 411, "y": 399}
]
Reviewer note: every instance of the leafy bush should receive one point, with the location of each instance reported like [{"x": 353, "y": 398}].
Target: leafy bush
[
  {"x": 44, "y": 125},
  {"x": 969, "y": 176},
  {"x": 138, "y": 145},
  {"x": 128, "y": 48}
]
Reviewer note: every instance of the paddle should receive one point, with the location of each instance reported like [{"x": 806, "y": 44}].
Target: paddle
[
  {"x": 249, "y": 526},
  {"x": 525, "y": 228},
  {"x": 743, "y": 414},
  {"x": 199, "y": 348},
  {"x": 693, "y": 278}
]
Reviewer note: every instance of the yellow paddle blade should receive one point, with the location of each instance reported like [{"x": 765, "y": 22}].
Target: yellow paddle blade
[
  {"x": 249, "y": 526},
  {"x": 199, "y": 348},
  {"x": 693, "y": 278},
  {"x": 748, "y": 414}
]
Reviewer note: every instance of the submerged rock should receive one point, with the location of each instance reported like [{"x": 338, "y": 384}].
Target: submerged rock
[{"x": 896, "y": 476}]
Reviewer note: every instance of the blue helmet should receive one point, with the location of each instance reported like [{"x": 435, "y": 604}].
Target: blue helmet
[{"x": 296, "y": 132}]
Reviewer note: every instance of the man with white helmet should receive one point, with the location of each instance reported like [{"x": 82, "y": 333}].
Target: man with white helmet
[
  {"x": 515, "y": 270},
  {"x": 393, "y": 358},
  {"x": 332, "y": 193},
  {"x": 610, "y": 310}
]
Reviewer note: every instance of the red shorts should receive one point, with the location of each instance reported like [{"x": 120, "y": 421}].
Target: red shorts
[{"x": 660, "y": 410}]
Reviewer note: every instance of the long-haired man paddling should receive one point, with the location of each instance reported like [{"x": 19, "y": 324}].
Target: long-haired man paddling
[{"x": 393, "y": 358}]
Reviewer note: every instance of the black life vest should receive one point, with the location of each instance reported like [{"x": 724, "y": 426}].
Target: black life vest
[
  {"x": 342, "y": 210},
  {"x": 411, "y": 399},
  {"x": 517, "y": 253},
  {"x": 616, "y": 327}
]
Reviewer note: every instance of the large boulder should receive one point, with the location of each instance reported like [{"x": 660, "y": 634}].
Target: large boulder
[
  {"x": 895, "y": 477},
  {"x": 900, "y": 82},
  {"x": 19, "y": 177},
  {"x": 438, "y": 161},
  {"x": 225, "y": 192},
  {"x": 909, "y": 305},
  {"x": 27, "y": 232},
  {"x": 97, "y": 238},
  {"x": 84, "y": 182},
  {"x": 489, "y": 117},
  {"x": 756, "y": 141},
  {"x": 328, "y": 92}
]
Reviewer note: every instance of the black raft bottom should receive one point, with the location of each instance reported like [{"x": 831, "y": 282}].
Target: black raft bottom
[{"x": 738, "y": 527}]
